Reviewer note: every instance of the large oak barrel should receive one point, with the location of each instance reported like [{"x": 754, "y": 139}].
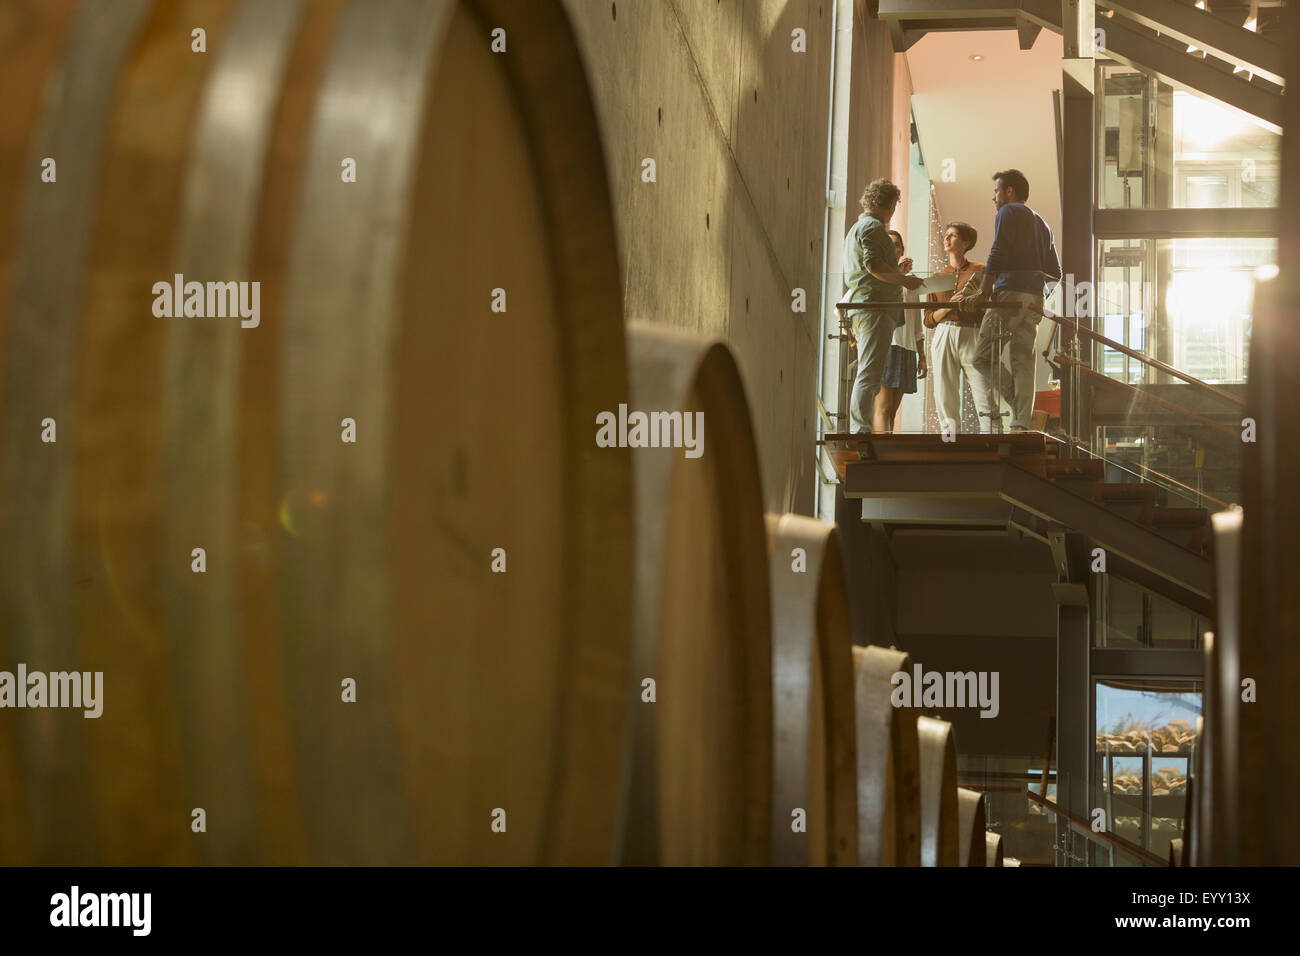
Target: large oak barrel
[
  {"x": 814, "y": 741},
  {"x": 33, "y": 34},
  {"x": 939, "y": 822},
  {"x": 700, "y": 780},
  {"x": 889, "y": 780},
  {"x": 971, "y": 846},
  {"x": 398, "y": 644}
]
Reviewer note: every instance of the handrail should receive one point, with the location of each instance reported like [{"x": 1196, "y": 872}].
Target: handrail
[
  {"x": 1083, "y": 828},
  {"x": 1146, "y": 359},
  {"x": 1147, "y": 396},
  {"x": 1064, "y": 359},
  {"x": 1161, "y": 479},
  {"x": 1066, "y": 324}
]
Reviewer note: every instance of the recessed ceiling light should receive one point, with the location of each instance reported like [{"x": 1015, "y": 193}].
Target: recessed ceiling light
[{"x": 977, "y": 56}]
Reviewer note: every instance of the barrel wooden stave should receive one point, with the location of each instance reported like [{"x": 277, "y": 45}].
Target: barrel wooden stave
[
  {"x": 700, "y": 777},
  {"x": 971, "y": 847},
  {"x": 939, "y": 807},
  {"x": 992, "y": 849},
  {"x": 888, "y": 762},
  {"x": 33, "y": 35},
  {"x": 814, "y": 746},
  {"x": 293, "y": 613}
]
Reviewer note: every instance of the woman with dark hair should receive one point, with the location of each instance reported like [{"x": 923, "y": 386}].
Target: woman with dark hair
[
  {"x": 953, "y": 345},
  {"x": 906, "y": 360}
]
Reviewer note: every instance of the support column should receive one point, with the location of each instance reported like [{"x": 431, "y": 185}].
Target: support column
[
  {"x": 1078, "y": 184},
  {"x": 1074, "y": 734},
  {"x": 869, "y": 566}
]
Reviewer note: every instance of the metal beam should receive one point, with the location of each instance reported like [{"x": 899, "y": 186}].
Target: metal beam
[
  {"x": 1027, "y": 32},
  {"x": 1184, "y": 223},
  {"x": 991, "y": 511},
  {"x": 1133, "y": 47},
  {"x": 944, "y": 9},
  {"x": 1074, "y": 717},
  {"x": 1153, "y": 662},
  {"x": 1207, "y": 32},
  {"x": 1125, "y": 42},
  {"x": 1122, "y": 567}
]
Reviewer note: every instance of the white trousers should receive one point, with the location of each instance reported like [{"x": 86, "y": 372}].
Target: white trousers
[{"x": 952, "y": 351}]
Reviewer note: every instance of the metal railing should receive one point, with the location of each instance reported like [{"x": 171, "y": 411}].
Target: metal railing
[{"x": 1080, "y": 370}]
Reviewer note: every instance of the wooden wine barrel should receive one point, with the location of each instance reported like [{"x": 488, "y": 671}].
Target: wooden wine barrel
[
  {"x": 992, "y": 849},
  {"x": 700, "y": 778},
  {"x": 348, "y": 680},
  {"x": 889, "y": 777},
  {"x": 814, "y": 741},
  {"x": 939, "y": 821},
  {"x": 971, "y": 845},
  {"x": 33, "y": 34}
]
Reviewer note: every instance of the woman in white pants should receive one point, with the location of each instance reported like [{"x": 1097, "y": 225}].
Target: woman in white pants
[{"x": 952, "y": 349}]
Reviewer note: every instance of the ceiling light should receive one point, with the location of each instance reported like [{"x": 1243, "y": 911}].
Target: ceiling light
[{"x": 977, "y": 57}]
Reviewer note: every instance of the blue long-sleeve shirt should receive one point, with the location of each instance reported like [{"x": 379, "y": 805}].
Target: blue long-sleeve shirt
[{"x": 1023, "y": 254}]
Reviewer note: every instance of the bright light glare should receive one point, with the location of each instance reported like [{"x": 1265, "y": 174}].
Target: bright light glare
[
  {"x": 1208, "y": 298},
  {"x": 1202, "y": 124}
]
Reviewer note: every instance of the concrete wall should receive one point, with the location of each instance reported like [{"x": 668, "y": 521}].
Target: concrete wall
[
  {"x": 1026, "y": 668},
  {"x": 736, "y": 122},
  {"x": 879, "y": 134}
]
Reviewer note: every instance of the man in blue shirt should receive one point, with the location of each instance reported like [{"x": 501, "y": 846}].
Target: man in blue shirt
[
  {"x": 1022, "y": 259},
  {"x": 871, "y": 274}
]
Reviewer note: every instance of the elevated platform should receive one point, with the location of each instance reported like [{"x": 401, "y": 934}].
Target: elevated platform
[{"x": 1022, "y": 484}]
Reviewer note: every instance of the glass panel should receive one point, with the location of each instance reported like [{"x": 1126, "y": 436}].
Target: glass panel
[
  {"x": 1187, "y": 304},
  {"x": 1121, "y": 613},
  {"x": 1208, "y": 303},
  {"x": 1162, "y": 148},
  {"x": 1172, "y": 625},
  {"x": 1028, "y": 830},
  {"x": 1131, "y": 616},
  {"x": 1145, "y": 732},
  {"x": 1222, "y": 158}
]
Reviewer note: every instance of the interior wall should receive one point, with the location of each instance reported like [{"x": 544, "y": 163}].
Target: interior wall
[
  {"x": 1026, "y": 698},
  {"x": 736, "y": 122}
]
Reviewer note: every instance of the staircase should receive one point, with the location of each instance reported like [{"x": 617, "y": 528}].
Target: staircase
[{"x": 1025, "y": 482}]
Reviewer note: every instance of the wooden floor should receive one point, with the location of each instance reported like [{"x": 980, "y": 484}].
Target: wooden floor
[{"x": 1030, "y": 450}]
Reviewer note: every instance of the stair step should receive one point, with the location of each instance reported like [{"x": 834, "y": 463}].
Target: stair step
[
  {"x": 1180, "y": 516},
  {"x": 1131, "y": 500},
  {"x": 1076, "y": 466},
  {"x": 1189, "y": 527},
  {"x": 1026, "y": 450},
  {"x": 1080, "y": 476}
]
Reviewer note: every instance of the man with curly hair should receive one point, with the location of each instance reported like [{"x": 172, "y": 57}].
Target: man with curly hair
[{"x": 872, "y": 275}]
